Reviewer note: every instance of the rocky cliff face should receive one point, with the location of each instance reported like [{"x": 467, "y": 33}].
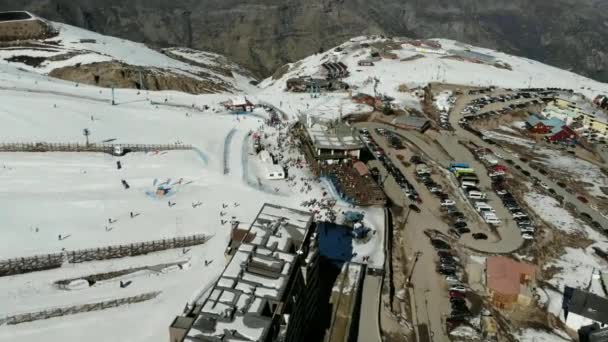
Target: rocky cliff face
[{"x": 264, "y": 34}]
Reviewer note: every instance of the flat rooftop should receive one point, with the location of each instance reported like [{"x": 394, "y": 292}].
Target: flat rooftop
[
  {"x": 241, "y": 303},
  {"x": 339, "y": 137},
  {"x": 15, "y": 16}
]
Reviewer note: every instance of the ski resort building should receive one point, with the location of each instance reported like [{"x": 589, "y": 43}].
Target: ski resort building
[
  {"x": 261, "y": 292},
  {"x": 239, "y": 104},
  {"x": 21, "y": 25},
  {"x": 332, "y": 71},
  {"x": 330, "y": 142}
]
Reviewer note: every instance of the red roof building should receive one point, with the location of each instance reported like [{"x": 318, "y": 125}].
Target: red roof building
[
  {"x": 562, "y": 134},
  {"x": 509, "y": 282},
  {"x": 364, "y": 99}
]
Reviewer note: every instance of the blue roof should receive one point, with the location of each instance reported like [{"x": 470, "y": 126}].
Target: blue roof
[{"x": 533, "y": 120}]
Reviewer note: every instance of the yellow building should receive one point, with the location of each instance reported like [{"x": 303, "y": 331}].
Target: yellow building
[{"x": 592, "y": 119}]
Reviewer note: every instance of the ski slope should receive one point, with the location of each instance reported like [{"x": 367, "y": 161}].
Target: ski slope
[
  {"x": 417, "y": 66},
  {"x": 45, "y": 195}
]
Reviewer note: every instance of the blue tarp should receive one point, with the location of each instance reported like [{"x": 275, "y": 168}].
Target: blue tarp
[{"x": 335, "y": 242}]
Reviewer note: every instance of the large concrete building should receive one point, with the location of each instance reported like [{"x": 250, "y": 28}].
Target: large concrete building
[
  {"x": 23, "y": 25},
  {"x": 260, "y": 295}
]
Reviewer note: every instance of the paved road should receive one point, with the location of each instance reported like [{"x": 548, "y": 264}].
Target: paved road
[
  {"x": 430, "y": 300},
  {"x": 510, "y": 237},
  {"x": 369, "y": 328},
  {"x": 456, "y": 115}
]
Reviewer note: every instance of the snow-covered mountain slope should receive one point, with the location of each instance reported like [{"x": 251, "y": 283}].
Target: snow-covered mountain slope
[
  {"x": 414, "y": 63},
  {"x": 88, "y": 57}
]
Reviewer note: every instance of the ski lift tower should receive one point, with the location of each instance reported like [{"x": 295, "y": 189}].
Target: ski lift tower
[
  {"x": 376, "y": 82},
  {"x": 315, "y": 89}
]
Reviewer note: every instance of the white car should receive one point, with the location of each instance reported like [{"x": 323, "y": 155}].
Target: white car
[
  {"x": 519, "y": 214},
  {"x": 458, "y": 288},
  {"x": 593, "y": 206},
  {"x": 448, "y": 203},
  {"x": 544, "y": 186},
  {"x": 498, "y": 155},
  {"x": 527, "y": 236},
  {"x": 527, "y": 229},
  {"x": 452, "y": 279}
]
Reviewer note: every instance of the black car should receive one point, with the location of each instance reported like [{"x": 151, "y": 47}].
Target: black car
[
  {"x": 444, "y": 253},
  {"x": 586, "y": 217},
  {"x": 440, "y": 244},
  {"x": 446, "y": 271},
  {"x": 480, "y": 236},
  {"x": 464, "y": 230},
  {"x": 456, "y": 215},
  {"x": 459, "y": 225},
  {"x": 458, "y": 301},
  {"x": 414, "y": 208},
  {"x": 596, "y": 225},
  {"x": 447, "y": 260}
]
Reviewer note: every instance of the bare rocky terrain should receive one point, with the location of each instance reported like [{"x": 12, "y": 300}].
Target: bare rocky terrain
[{"x": 264, "y": 34}]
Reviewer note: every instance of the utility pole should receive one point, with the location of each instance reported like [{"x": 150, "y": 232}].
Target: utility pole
[
  {"x": 86, "y": 134},
  {"x": 141, "y": 81}
]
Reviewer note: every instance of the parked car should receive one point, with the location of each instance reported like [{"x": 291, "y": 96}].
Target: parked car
[
  {"x": 414, "y": 208},
  {"x": 453, "y": 232},
  {"x": 452, "y": 280},
  {"x": 586, "y": 217},
  {"x": 446, "y": 270},
  {"x": 519, "y": 214},
  {"x": 582, "y": 199},
  {"x": 464, "y": 230},
  {"x": 440, "y": 244},
  {"x": 527, "y": 236},
  {"x": 457, "y": 294},
  {"x": 460, "y": 225},
  {"x": 447, "y": 203},
  {"x": 459, "y": 288},
  {"x": 480, "y": 236},
  {"x": 527, "y": 229}
]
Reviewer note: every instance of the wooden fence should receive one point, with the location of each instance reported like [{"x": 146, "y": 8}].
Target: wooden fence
[
  {"x": 75, "y": 309},
  {"x": 50, "y": 261},
  {"x": 77, "y": 147}
]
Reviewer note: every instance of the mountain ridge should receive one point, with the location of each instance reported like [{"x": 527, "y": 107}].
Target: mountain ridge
[{"x": 265, "y": 34}]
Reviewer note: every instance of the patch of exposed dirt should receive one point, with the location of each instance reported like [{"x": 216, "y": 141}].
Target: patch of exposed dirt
[
  {"x": 116, "y": 74},
  {"x": 27, "y": 60}
]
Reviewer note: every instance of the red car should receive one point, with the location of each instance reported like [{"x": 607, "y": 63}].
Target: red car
[
  {"x": 456, "y": 294},
  {"x": 582, "y": 199}
]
